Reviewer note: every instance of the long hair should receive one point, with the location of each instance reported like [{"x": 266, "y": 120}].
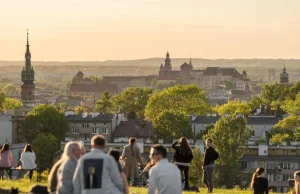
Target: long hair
[
  {"x": 257, "y": 173},
  {"x": 184, "y": 147},
  {"x": 115, "y": 154},
  {"x": 5, "y": 147},
  {"x": 28, "y": 148},
  {"x": 69, "y": 151},
  {"x": 131, "y": 142}
]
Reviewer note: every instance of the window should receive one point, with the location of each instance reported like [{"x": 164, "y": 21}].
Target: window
[
  {"x": 105, "y": 131},
  {"x": 95, "y": 130},
  {"x": 85, "y": 125},
  {"x": 75, "y": 130},
  {"x": 264, "y": 133},
  {"x": 253, "y": 133}
]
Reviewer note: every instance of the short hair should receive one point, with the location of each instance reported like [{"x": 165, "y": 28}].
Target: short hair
[
  {"x": 160, "y": 150},
  {"x": 115, "y": 154},
  {"x": 98, "y": 140},
  {"x": 209, "y": 140}
]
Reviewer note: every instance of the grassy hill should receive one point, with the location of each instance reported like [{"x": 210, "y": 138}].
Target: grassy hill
[{"x": 24, "y": 186}]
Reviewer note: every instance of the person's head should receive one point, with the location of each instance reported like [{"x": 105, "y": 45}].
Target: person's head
[
  {"x": 71, "y": 151},
  {"x": 116, "y": 154},
  {"x": 98, "y": 141},
  {"x": 5, "y": 147},
  {"x": 132, "y": 140},
  {"x": 82, "y": 148},
  {"x": 157, "y": 153},
  {"x": 259, "y": 172},
  {"x": 28, "y": 148},
  {"x": 208, "y": 142},
  {"x": 184, "y": 147},
  {"x": 297, "y": 176}
]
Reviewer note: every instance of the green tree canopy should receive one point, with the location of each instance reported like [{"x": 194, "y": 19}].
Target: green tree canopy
[
  {"x": 230, "y": 135},
  {"x": 45, "y": 147},
  {"x": 188, "y": 100},
  {"x": 169, "y": 126},
  {"x": 2, "y": 99},
  {"x": 233, "y": 107},
  {"x": 80, "y": 109},
  {"x": 269, "y": 94},
  {"x": 292, "y": 106},
  {"x": 63, "y": 106},
  {"x": 8, "y": 89},
  {"x": 133, "y": 99},
  {"x": 255, "y": 102},
  {"x": 195, "y": 170},
  {"x": 278, "y": 138},
  {"x": 105, "y": 104},
  {"x": 11, "y": 103},
  {"x": 45, "y": 119}
]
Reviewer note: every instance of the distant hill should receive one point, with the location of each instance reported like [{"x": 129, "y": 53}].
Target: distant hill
[{"x": 266, "y": 63}]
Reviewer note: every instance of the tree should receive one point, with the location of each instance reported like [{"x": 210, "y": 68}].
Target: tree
[
  {"x": 11, "y": 103},
  {"x": 269, "y": 94},
  {"x": 172, "y": 126},
  {"x": 133, "y": 99},
  {"x": 230, "y": 135},
  {"x": 188, "y": 100},
  {"x": 277, "y": 139},
  {"x": 195, "y": 170},
  {"x": 154, "y": 81},
  {"x": 68, "y": 84},
  {"x": 2, "y": 99},
  {"x": 45, "y": 154},
  {"x": 233, "y": 107},
  {"x": 105, "y": 104},
  {"x": 63, "y": 106},
  {"x": 8, "y": 89},
  {"x": 45, "y": 119},
  {"x": 80, "y": 109},
  {"x": 256, "y": 102},
  {"x": 292, "y": 106}
]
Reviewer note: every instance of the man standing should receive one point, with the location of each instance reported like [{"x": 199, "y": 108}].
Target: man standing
[
  {"x": 97, "y": 172},
  {"x": 164, "y": 176},
  {"x": 210, "y": 155}
]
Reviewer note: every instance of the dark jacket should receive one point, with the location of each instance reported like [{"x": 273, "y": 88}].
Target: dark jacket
[
  {"x": 179, "y": 157},
  {"x": 210, "y": 155}
]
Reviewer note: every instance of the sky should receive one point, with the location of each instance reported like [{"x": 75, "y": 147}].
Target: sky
[{"x": 98, "y": 30}]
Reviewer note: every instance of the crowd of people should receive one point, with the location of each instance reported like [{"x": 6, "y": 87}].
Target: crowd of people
[{"x": 79, "y": 172}]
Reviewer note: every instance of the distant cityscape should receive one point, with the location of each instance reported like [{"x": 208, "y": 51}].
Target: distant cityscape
[{"x": 220, "y": 84}]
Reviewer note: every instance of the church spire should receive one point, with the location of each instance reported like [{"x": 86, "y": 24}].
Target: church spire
[{"x": 27, "y": 48}]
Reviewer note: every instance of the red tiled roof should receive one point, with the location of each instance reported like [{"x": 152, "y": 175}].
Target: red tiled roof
[{"x": 132, "y": 128}]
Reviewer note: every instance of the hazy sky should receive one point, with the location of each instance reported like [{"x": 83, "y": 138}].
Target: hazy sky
[{"x": 131, "y": 29}]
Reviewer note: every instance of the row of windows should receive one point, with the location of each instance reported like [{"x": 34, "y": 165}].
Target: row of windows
[
  {"x": 269, "y": 165},
  {"x": 95, "y": 131},
  {"x": 88, "y": 125}
]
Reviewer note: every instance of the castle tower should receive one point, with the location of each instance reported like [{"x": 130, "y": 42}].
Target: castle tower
[
  {"x": 168, "y": 64},
  {"x": 284, "y": 77},
  {"x": 185, "y": 72},
  {"x": 27, "y": 87}
]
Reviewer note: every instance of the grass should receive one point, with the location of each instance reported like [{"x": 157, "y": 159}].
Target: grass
[{"x": 24, "y": 186}]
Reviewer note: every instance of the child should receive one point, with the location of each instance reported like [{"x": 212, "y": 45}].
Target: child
[{"x": 116, "y": 154}]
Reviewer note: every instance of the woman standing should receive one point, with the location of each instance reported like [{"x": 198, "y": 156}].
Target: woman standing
[
  {"x": 67, "y": 168},
  {"x": 5, "y": 160},
  {"x": 28, "y": 160},
  {"x": 183, "y": 157},
  {"x": 132, "y": 156},
  {"x": 297, "y": 183},
  {"x": 259, "y": 183}
]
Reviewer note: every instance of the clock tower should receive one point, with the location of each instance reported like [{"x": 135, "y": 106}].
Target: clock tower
[{"x": 27, "y": 87}]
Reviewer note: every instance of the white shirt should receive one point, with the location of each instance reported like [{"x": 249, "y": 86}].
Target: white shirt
[
  {"x": 28, "y": 160},
  {"x": 164, "y": 178}
]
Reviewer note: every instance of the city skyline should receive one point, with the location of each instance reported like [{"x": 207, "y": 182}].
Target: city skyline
[{"x": 118, "y": 30}]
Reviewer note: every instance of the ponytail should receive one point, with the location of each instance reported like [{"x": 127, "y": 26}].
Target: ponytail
[{"x": 132, "y": 141}]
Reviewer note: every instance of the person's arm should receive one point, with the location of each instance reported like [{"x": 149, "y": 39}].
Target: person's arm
[
  {"x": 152, "y": 182},
  {"x": 125, "y": 182},
  {"x": 67, "y": 175},
  {"x": 77, "y": 178},
  {"x": 22, "y": 157},
  {"x": 10, "y": 157},
  {"x": 174, "y": 145},
  {"x": 115, "y": 174},
  {"x": 124, "y": 153}
]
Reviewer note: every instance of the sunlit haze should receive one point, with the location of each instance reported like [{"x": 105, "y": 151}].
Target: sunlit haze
[{"x": 73, "y": 30}]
